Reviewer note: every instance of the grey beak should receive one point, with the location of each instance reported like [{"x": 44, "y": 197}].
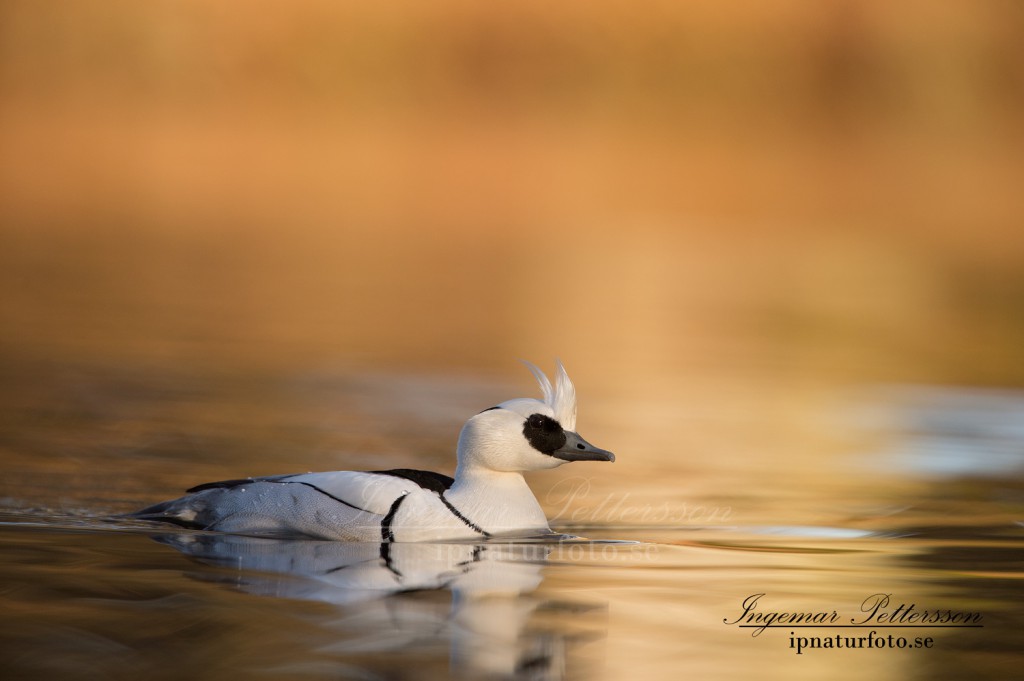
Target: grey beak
[{"x": 578, "y": 449}]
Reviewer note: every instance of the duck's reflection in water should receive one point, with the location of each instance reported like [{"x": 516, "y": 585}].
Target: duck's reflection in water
[{"x": 476, "y": 599}]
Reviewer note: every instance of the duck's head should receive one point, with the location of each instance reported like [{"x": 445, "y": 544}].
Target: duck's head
[{"x": 526, "y": 434}]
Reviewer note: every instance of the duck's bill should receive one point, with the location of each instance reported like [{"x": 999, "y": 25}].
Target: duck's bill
[{"x": 578, "y": 449}]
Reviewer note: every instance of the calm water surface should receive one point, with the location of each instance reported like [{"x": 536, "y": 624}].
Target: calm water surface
[{"x": 820, "y": 502}]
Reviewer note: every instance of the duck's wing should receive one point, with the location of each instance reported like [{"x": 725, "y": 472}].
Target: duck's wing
[
  {"x": 336, "y": 505},
  {"x": 370, "y": 491}
]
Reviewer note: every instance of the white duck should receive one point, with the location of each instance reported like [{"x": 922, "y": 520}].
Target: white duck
[{"x": 487, "y": 497}]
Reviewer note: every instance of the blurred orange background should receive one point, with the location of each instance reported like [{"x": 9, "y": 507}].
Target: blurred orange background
[{"x": 818, "y": 190}]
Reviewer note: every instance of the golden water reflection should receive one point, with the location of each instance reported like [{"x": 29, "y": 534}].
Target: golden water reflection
[
  {"x": 779, "y": 251},
  {"x": 563, "y": 610}
]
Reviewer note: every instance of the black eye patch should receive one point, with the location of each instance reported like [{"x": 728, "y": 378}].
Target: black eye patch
[{"x": 544, "y": 433}]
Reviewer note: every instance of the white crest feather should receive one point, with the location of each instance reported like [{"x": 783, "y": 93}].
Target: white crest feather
[{"x": 561, "y": 397}]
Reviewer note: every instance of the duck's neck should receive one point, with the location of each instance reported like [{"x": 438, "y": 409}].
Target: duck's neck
[{"x": 497, "y": 501}]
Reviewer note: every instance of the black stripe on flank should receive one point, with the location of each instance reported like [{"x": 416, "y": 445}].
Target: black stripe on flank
[
  {"x": 435, "y": 482},
  {"x": 280, "y": 479},
  {"x": 312, "y": 486},
  {"x": 469, "y": 523},
  {"x": 385, "y": 555},
  {"x": 386, "y": 535}
]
